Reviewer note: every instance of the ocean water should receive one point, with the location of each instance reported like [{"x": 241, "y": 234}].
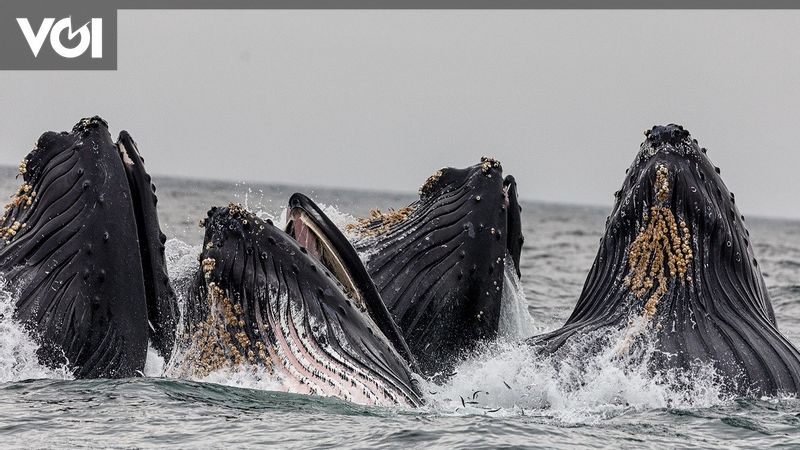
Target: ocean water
[{"x": 502, "y": 396}]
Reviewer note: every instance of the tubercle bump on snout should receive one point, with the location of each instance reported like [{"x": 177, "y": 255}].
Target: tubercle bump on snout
[
  {"x": 439, "y": 180},
  {"x": 488, "y": 163},
  {"x": 233, "y": 222},
  {"x": 87, "y": 123},
  {"x": 229, "y": 216},
  {"x": 667, "y": 134}
]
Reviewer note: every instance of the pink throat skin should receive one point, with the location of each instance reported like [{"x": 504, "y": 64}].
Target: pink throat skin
[{"x": 303, "y": 235}]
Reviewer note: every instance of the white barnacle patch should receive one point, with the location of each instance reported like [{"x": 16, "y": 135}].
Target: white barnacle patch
[
  {"x": 7, "y": 233},
  {"x": 488, "y": 163},
  {"x": 208, "y": 265},
  {"x": 379, "y": 222},
  {"x": 428, "y": 185}
]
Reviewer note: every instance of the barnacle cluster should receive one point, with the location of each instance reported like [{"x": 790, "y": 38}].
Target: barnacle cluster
[
  {"x": 427, "y": 186},
  {"x": 237, "y": 210},
  {"x": 7, "y": 233},
  {"x": 208, "y": 265},
  {"x": 660, "y": 252},
  {"x": 487, "y": 163},
  {"x": 379, "y": 222},
  {"x": 220, "y": 341},
  {"x": 22, "y": 199}
]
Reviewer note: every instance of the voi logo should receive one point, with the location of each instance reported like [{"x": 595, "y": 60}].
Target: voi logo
[{"x": 90, "y": 36}]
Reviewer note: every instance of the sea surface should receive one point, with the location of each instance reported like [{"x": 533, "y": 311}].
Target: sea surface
[{"x": 503, "y": 396}]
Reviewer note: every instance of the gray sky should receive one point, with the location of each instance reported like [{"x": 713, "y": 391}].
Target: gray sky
[{"x": 380, "y": 99}]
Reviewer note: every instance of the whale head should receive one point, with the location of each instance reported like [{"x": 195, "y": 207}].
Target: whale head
[{"x": 440, "y": 262}]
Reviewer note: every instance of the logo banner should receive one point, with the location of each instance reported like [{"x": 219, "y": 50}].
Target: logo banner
[{"x": 40, "y": 35}]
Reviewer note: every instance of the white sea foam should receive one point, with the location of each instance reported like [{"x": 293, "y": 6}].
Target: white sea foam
[
  {"x": 181, "y": 259},
  {"x": 154, "y": 364},
  {"x": 18, "y": 360},
  {"x": 340, "y": 219},
  {"x": 181, "y": 265},
  {"x": 579, "y": 384},
  {"x": 595, "y": 377}
]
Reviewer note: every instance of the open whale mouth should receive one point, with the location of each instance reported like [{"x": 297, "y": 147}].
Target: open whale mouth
[
  {"x": 312, "y": 229},
  {"x": 309, "y": 233}
]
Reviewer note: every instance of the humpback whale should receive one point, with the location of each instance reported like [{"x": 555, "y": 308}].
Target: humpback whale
[
  {"x": 439, "y": 263},
  {"x": 81, "y": 245},
  {"x": 676, "y": 257},
  {"x": 295, "y": 303}
]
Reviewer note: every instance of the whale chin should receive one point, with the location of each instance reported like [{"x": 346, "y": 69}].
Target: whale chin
[
  {"x": 82, "y": 247},
  {"x": 676, "y": 256}
]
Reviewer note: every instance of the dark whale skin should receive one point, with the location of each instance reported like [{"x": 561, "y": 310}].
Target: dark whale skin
[
  {"x": 162, "y": 304},
  {"x": 439, "y": 263},
  {"x": 71, "y": 251},
  {"x": 259, "y": 298},
  {"x": 717, "y": 311},
  {"x": 362, "y": 281}
]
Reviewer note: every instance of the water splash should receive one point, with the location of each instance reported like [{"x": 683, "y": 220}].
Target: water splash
[
  {"x": 515, "y": 320},
  {"x": 581, "y": 383},
  {"x": 181, "y": 265},
  {"x": 339, "y": 218},
  {"x": 18, "y": 360},
  {"x": 154, "y": 365}
]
